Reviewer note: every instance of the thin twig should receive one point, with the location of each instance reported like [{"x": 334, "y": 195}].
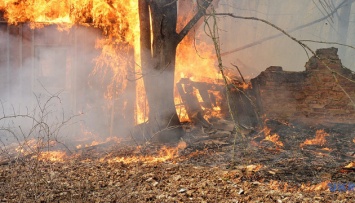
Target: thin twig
[
  {"x": 240, "y": 73},
  {"x": 212, "y": 32},
  {"x": 335, "y": 73}
]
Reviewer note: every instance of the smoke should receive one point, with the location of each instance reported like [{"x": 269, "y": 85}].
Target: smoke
[
  {"x": 45, "y": 64},
  {"x": 47, "y": 81},
  {"x": 256, "y": 52}
]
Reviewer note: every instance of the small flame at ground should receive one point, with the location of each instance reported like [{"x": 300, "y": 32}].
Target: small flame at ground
[
  {"x": 350, "y": 165},
  {"x": 254, "y": 168},
  {"x": 318, "y": 187},
  {"x": 32, "y": 146},
  {"x": 94, "y": 143},
  {"x": 275, "y": 139},
  {"x": 327, "y": 149},
  {"x": 284, "y": 186},
  {"x": 164, "y": 154},
  {"x": 272, "y": 138},
  {"x": 52, "y": 156},
  {"x": 318, "y": 140}
]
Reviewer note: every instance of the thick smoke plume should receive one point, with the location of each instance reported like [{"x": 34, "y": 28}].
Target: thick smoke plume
[{"x": 48, "y": 81}]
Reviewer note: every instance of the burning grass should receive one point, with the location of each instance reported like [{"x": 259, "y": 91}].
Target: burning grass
[
  {"x": 52, "y": 156},
  {"x": 275, "y": 139},
  {"x": 163, "y": 155},
  {"x": 196, "y": 170},
  {"x": 318, "y": 140},
  {"x": 102, "y": 181},
  {"x": 97, "y": 180}
]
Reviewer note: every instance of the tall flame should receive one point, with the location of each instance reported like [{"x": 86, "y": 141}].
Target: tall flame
[{"x": 119, "y": 22}]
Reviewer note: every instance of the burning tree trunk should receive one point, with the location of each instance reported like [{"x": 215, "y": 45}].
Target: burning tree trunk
[{"x": 159, "y": 40}]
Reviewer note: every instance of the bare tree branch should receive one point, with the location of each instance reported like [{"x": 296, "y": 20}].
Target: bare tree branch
[
  {"x": 306, "y": 47},
  {"x": 201, "y": 12},
  {"x": 288, "y": 31}
]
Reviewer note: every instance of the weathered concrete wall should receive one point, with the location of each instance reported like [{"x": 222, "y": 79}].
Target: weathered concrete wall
[{"x": 314, "y": 95}]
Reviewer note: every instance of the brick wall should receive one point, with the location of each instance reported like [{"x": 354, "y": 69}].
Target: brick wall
[{"x": 314, "y": 95}]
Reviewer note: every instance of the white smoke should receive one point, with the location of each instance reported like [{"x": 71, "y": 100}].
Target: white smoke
[
  {"x": 45, "y": 78},
  {"x": 282, "y": 51}
]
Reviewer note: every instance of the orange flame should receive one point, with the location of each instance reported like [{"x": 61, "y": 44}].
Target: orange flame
[
  {"x": 40, "y": 11},
  {"x": 117, "y": 19},
  {"x": 275, "y": 139},
  {"x": 163, "y": 155},
  {"x": 305, "y": 187},
  {"x": 119, "y": 22},
  {"x": 31, "y": 146},
  {"x": 327, "y": 149},
  {"x": 254, "y": 168},
  {"x": 52, "y": 156},
  {"x": 189, "y": 59},
  {"x": 350, "y": 165},
  {"x": 318, "y": 140},
  {"x": 272, "y": 138},
  {"x": 323, "y": 186}
]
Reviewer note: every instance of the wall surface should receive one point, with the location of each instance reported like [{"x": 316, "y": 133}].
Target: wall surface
[
  {"x": 320, "y": 94},
  {"x": 257, "y": 45}
]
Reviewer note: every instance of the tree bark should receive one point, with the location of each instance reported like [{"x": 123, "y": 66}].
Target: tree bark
[{"x": 159, "y": 41}]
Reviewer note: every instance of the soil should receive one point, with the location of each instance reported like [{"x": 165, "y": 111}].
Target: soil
[{"x": 210, "y": 165}]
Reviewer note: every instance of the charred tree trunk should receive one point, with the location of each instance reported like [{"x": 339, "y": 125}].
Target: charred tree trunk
[
  {"x": 159, "y": 41},
  {"x": 159, "y": 72}
]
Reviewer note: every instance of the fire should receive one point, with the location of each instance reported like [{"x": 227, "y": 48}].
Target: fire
[
  {"x": 88, "y": 135},
  {"x": 55, "y": 11},
  {"x": 194, "y": 60},
  {"x": 306, "y": 187},
  {"x": 318, "y": 187},
  {"x": 27, "y": 147},
  {"x": 272, "y": 138},
  {"x": 117, "y": 19},
  {"x": 33, "y": 146},
  {"x": 164, "y": 154},
  {"x": 318, "y": 140},
  {"x": 119, "y": 22},
  {"x": 199, "y": 57},
  {"x": 241, "y": 85},
  {"x": 350, "y": 165},
  {"x": 327, "y": 149},
  {"x": 254, "y": 168},
  {"x": 275, "y": 139},
  {"x": 52, "y": 156}
]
